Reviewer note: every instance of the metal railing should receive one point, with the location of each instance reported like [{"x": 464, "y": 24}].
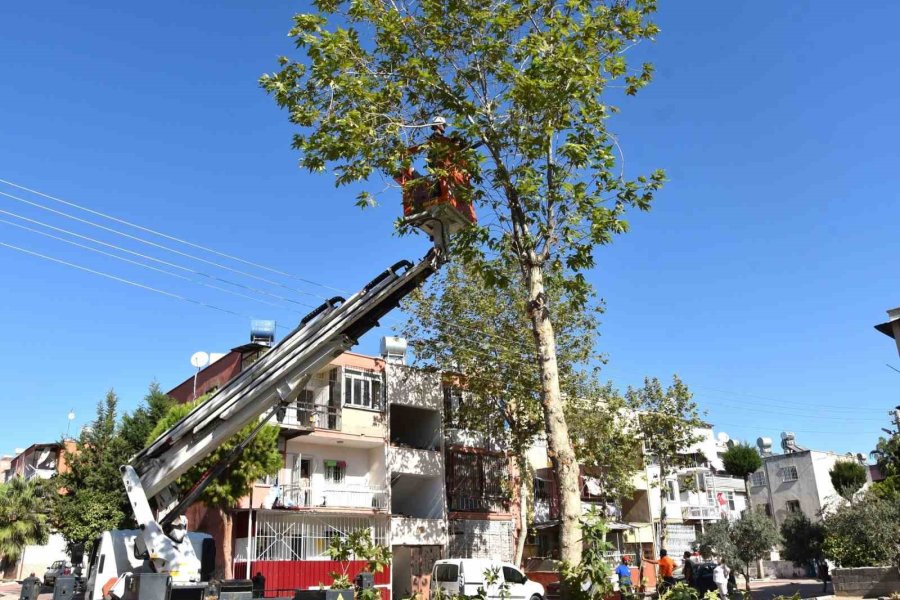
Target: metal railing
[
  {"x": 350, "y": 496},
  {"x": 307, "y": 414},
  {"x": 704, "y": 513}
]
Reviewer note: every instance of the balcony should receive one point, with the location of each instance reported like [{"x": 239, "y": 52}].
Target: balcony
[
  {"x": 344, "y": 497},
  {"x": 412, "y": 461},
  {"x": 306, "y": 415},
  {"x": 414, "y": 388},
  {"x": 700, "y": 513}
]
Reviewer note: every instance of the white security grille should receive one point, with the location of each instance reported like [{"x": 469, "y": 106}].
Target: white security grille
[{"x": 304, "y": 537}]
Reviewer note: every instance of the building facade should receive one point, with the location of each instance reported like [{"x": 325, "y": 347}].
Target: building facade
[
  {"x": 796, "y": 481},
  {"x": 365, "y": 446}
]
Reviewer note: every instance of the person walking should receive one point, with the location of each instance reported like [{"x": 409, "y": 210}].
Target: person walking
[
  {"x": 720, "y": 578},
  {"x": 688, "y": 569}
]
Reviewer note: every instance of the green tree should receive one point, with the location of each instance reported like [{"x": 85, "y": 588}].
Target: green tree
[
  {"x": 532, "y": 82},
  {"x": 93, "y": 498},
  {"x": 741, "y": 542},
  {"x": 864, "y": 534},
  {"x": 23, "y": 515},
  {"x": 667, "y": 423},
  {"x": 136, "y": 427},
  {"x": 847, "y": 477},
  {"x": 459, "y": 324},
  {"x": 801, "y": 539},
  {"x": 259, "y": 458},
  {"x": 741, "y": 461}
]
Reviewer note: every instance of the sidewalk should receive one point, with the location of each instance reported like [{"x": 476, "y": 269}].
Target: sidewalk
[{"x": 807, "y": 588}]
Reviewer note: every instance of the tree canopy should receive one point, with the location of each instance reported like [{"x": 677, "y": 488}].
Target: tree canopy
[
  {"x": 801, "y": 539},
  {"x": 24, "y": 515},
  {"x": 741, "y": 460},
  {"x": 864, "y": 534},
  {"x": 741, "y": 542},
  {"x": 533, "y": 82},
  {"x": 94, "y": 498},
  {"x": 136, "y": 427},
  {"x": 847, "y": 477}
]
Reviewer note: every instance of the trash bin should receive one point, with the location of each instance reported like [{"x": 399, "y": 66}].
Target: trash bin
[{"x": 31, "y": 587}]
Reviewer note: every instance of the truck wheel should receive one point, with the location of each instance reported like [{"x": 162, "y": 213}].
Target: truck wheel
[{"x": 536, "y": 597}]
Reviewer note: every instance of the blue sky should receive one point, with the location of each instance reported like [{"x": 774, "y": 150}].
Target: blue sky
[{"x": 757, "y": 276}]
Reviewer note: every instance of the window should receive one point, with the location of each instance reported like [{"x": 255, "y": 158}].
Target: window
[
  {"x": 670, "y": 491},
  {"x": 789, "y": 473},
  {"x": 792, "y": 506},
  {"x": 721, "y": 499},
  {"x": 335, "y": 471},
  {"x": 512, "y": 575},
  {"x": 453, "y": 398},
  {"x": 541, "y": 489},
  {"x": 445, "y": 573},
  {"x": 362, "y": 389},
  {"x": 758, "y": 479}
]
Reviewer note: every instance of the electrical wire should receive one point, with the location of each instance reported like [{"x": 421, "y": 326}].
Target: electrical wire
[
  {"x": 161, "y": 246},
  {"x": 146, "y": 266},
  {"x": 169, "y": 237},
  {"x": 200, "y": 247},
  {"x": 125, "y": 281},
  {"x": 502, "y": 342},
  {"x": 156, "y": 260}
]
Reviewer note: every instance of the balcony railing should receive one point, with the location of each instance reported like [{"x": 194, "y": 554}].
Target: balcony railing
[
  {"x": 469, "y": 502},
  {"x": 700, "y": 513},
  {"x": 319, "y": 416},
  {"x": 304, "y": 496}
]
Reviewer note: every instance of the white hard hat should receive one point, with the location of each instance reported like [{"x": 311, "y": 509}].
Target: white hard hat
[{"x": 439, "y": 121}]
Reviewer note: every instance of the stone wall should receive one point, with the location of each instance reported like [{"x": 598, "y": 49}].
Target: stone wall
[{"x": 868, "y": 582}]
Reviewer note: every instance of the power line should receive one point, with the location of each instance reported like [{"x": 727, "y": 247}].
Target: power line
[
  {"x": 154, "y": 259},
  {"x": 200, "y": 247},
  {"x": 169, "y": 237},
  {"x": 161, "y": 246},
  {"x": 126, "y": 281},
  {"x": 146, "y": 266}
]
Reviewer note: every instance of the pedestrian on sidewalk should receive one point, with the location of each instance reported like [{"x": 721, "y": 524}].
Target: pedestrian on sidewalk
[
  {"x": 624, "y": 574},
  {"x": 720, "y": 578},
  {"x": 824, "y": 576},
  {"x": 687, "y": 569}
]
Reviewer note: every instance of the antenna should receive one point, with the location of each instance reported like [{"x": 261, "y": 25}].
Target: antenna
[{"x": 198, "y": 360}]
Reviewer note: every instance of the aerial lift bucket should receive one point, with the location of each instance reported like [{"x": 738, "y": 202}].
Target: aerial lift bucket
[{"x": 433, "y": 207}]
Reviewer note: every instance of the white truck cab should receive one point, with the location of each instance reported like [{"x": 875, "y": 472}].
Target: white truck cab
[{"x": 465, "y": 576}]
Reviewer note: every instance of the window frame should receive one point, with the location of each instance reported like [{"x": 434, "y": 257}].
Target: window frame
[
  {"x": 367, "y": 384},
  {"x": 785, "y": 470},
  {"x": 793, "y": 506},
  {"x": 758, "y": 479},
  {"x": 329, "y": 470}
]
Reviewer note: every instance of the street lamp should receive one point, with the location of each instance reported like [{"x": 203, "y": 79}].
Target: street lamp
[{"x": 71, "y": 417}]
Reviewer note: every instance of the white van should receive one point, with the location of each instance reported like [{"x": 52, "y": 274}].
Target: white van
[{"x": 465, "y": 575}]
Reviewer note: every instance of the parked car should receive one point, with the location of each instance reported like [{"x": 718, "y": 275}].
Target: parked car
[
  {"x": 466, "y": 575},
  {"x": 60, "y": 567}
]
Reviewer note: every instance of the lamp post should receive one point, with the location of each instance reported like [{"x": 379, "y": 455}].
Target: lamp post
[{"x": 71, "y": 417}]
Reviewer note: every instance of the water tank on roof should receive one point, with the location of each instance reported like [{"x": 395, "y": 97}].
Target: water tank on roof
[
  {"x": 393, "y": 349},
  {"x": 765, "y": 445},
  {"x": 262, "y": 331}
]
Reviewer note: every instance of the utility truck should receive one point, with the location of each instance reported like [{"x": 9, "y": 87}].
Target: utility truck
[{"x": 161, "y": 559}]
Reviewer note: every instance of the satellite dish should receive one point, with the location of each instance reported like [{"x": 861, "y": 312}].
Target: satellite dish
[
  {"x": 200, "y": 359},
  {"x": 723, "y": 437}
]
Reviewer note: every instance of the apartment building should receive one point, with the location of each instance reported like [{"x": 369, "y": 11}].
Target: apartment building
[
  {"x": 796, "y": 480},
  {"x": 364, "y": 447},
  {"x": 693, "y": 497}
]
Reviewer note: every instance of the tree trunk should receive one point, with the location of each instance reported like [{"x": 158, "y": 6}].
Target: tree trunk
[
  {"x": 523, "y": 517},
  {"x": 226, "y": 543},
  {"x": 663, "y": 521},
  {"x": 559, "y": 446}
]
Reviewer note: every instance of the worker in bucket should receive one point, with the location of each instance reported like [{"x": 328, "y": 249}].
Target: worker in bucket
[{"x": 444, "y": 158}]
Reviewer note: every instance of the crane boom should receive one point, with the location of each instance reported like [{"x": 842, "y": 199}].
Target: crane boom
[{"x": 278, "y": 376}]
